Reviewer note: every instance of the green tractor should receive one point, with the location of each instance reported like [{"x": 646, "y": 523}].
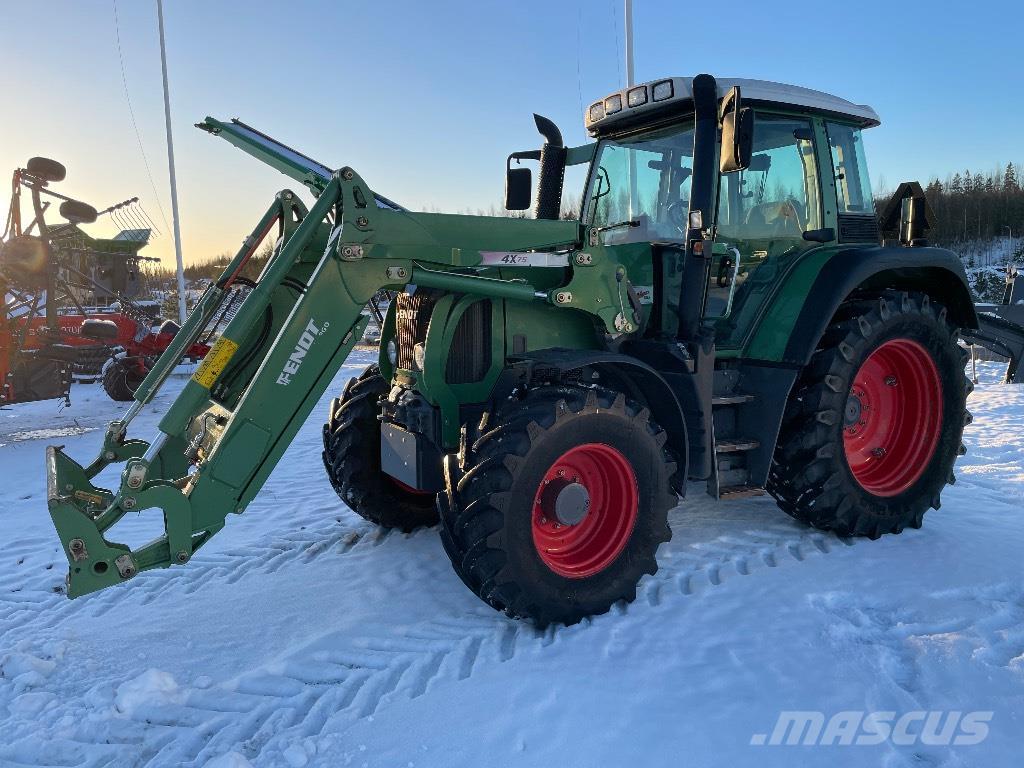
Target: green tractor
[{"x": 724, "y": 311}]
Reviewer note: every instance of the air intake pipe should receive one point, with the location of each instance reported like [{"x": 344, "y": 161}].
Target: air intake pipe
[{"x": 552, "y": 170}]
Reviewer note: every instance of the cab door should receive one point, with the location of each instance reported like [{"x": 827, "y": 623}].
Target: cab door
[{"x": 763, "y": 214}]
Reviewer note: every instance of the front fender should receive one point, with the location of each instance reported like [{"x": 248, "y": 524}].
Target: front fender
[{"x": 632, "y": 376}]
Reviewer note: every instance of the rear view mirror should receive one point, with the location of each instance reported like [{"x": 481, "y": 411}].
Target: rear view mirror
[
  {"x": 518, "y": 188},
  {"x": 737, "y": 133}
]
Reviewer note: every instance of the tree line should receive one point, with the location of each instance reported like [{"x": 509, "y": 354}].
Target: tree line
[{"x": 972, "y": 206}]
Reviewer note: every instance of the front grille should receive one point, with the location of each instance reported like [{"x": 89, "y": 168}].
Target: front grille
[
  {"x": 858, "y": 229},
  {"x": 470, "y": 356},
  {"x": 412, "y": 316}
]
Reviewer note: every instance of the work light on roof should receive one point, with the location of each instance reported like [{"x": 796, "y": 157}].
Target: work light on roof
[
  {"x": 661, "y": 91},
  {"x": 637, "y": 96},
  {"x": 596, "y": 111},
  {"x": 613, "y": 104}
]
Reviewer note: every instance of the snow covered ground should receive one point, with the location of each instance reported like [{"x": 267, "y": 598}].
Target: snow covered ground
[{"x": 303, "y": 636}]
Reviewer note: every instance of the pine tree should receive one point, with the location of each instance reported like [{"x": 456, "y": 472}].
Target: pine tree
[{"x": 1010, "y": 184}]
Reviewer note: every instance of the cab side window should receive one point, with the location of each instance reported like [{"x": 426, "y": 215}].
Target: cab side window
[
  {"x": 849, "y": 164},
  {"x": 770, "y": 205}
]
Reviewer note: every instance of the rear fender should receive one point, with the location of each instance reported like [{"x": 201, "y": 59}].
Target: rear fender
[{"x": 810, "y": 293}]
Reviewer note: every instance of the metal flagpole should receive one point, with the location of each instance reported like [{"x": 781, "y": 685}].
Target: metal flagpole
[
  {"x": 170, "y": 168},
  {"x": 629, "y": 43},
  {"x": 634, "y": 193}
]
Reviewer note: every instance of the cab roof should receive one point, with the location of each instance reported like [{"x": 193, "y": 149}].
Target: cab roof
[{"x": 649, "y": 101}]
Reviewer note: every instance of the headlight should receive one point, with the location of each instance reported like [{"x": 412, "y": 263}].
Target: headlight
[
  {"x": 392, "y": 352},
  {"x": 613, "y": 104},
  {"x": 418, "y": 356},
  {"x": 596, "y": 111}
]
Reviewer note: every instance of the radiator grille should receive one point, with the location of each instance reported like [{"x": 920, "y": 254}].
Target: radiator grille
[
  {"x": 858, "y": 229},
  {"x": 412, "y": 316},
  {"x": 470, "y": 356}
]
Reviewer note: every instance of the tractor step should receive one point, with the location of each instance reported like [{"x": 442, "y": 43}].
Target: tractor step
[
  {"x": 734, "y": 399},
  {"x": 734, "y": 444},
  {"x": 739, "y": 492}
]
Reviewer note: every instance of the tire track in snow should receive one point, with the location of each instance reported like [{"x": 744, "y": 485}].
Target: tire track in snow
[
  {"x": 314, "y": 691},
  {"x": 41, "y": 605}
]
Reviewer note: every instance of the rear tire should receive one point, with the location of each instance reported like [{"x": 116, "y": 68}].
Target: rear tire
[
  {"x": 875, "y": 423},
  {"x": 121, "y": 378},
  {"x": 352, "y": 459},
  {"x": 560, "y": 504}
]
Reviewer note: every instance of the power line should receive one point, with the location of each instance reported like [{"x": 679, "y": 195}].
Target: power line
[{"x": 135, "y": 125}]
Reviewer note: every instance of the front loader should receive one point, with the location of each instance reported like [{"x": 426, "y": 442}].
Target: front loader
[{"x": 723, "y": 311}]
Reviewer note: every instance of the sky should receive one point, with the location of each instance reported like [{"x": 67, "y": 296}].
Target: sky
[{"x": 426, "y": 99}]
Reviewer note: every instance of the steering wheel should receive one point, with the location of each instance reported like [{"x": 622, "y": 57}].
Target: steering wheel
[{"x": 677, "y": 213}]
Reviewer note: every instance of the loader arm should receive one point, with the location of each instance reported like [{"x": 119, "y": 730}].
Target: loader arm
[
  {"x": 292, "y": 163},
  {"x": 223, "y": 435}
]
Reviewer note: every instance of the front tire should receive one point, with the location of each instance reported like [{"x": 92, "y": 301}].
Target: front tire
[
  {"x": 352, "y": 459},
  {"x": 875, "y": 423},
  {"x": 560, "y": 504}
]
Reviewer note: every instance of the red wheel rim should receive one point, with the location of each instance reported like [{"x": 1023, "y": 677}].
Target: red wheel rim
[
  {"x": 893, "y": 417},
  {"x": 596, "y": 483}
]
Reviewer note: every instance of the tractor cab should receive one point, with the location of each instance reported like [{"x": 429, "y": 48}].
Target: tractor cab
[{"x": 804, "y": 184}]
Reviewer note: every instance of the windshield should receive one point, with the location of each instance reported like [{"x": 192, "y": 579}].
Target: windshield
[{"x": 639, "y": 186}]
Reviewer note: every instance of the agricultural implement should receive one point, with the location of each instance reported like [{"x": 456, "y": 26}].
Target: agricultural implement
[
  {"x": 49, "y": 273},
  {"x": 724, "y": 311},
  {"x": 1001, "y": 327},
  {"x": 36, "y": 358}
]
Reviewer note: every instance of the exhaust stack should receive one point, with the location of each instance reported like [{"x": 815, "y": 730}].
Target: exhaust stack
[{"x": 552, "y": 170}]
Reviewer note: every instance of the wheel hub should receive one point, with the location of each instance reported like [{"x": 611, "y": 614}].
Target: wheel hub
[
  {"x": 584, "y": 510},
  {"x": 893, "y": 417},
  {"x": 566, "y": 501},
  {"x": 851, "y": 417}
]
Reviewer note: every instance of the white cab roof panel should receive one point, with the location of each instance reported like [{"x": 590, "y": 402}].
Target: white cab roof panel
[{"x": 658, "y": 94}]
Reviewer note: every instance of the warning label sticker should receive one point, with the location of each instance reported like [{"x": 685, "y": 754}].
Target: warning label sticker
[{"x": 215, "y": 362}]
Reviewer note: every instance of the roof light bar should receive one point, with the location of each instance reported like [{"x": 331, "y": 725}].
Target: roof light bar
[{"x": 631, "y": 105}]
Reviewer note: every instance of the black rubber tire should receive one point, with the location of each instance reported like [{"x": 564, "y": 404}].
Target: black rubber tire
[
  {"x": 120, "y": 380},
  {"x": 486, "y": 511},
  {"x": 46, "y": 169},
  {"x": 101, "y": 330},
  {"x": 78, "y": 212},
  {"x": 352, "y": 459},
  {"x": 810, "y": 477}
]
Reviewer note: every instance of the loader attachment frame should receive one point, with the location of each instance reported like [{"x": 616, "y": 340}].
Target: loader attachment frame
[{"x": 229, "y": 426}]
